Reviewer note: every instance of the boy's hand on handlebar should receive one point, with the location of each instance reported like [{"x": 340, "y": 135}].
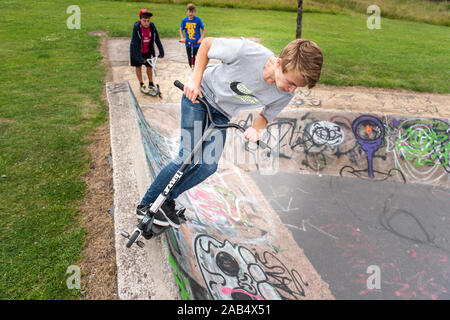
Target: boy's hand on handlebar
[
  {"x": 252, "y": 134},
  {"x": 192, "y": 90}
]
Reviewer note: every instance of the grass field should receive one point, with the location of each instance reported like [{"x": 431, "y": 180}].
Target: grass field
[
  {"x": 354, "y": 54},
  {"x": 434, "y": 12},
  {"x": 51, "y": 81}
]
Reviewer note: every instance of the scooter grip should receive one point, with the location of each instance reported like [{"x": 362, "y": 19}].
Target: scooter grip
[{"x": 179, "y": 85}]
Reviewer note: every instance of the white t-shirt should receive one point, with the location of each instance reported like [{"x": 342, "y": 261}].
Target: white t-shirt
[{"x": 237, "y": 83}]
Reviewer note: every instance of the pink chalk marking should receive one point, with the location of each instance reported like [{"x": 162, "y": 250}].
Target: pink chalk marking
[{"x": 229, "y": 291}]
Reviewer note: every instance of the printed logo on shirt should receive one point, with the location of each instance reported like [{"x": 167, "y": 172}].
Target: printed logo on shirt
[
  {"x": 243, "y": 93},
  {"x": 190, "y": 27}
]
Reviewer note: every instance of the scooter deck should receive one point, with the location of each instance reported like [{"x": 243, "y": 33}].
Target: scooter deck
[{"x": 155, "y": 230}]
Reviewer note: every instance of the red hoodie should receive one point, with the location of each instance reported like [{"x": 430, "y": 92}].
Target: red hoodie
[{"x": 146, "y": 37}]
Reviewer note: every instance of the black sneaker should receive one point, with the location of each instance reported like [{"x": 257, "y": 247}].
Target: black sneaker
[
  {"x": 160, "y": 219},
  {"x": 169, "y": 209},
  {"x": 141, "y": 211}
]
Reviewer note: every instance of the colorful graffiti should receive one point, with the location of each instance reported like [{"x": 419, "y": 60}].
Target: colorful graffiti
[
  {"x": 425, "y": 143},
  {"x": 419, "y": 149},
  {"x": 377, "y": 148},
  {"x": 318, "y": 142},
  {"x": 234, "y": 272},
  {"x": 369, "y": 134},
  {"x": 226, "y": 251}
]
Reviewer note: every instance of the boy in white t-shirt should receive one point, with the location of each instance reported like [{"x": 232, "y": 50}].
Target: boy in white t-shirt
[{"x": 250, "y": 76}]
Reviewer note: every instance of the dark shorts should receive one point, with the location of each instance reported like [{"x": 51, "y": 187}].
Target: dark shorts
[{"x": 135, "y": 63}]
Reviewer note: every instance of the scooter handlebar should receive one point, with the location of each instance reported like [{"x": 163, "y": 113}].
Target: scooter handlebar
[
  {"x": 260, "y": 143},
  {"x": 185, "y": 41},
  {"x": 179, "y": 85}
]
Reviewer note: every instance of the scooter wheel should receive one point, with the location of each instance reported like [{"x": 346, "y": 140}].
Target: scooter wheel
[{"x": 133, "y": 238}]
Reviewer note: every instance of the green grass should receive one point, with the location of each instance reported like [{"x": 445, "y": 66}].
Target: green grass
[
  {"x": 50, "y": 85},
  {"x": 50, "y": 100},
  {"x": 433, "y": 12},
  {"x": 402, "y": 54}
]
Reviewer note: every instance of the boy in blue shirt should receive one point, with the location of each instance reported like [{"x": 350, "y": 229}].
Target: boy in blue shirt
[{"x": 194, "y": 31}]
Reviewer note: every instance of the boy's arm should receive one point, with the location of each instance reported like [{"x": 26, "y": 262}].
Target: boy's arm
[
  {"x": 182, "y": 35},
  {"x": 135, "y": 51},
  {"x": 158, "y": 43},
  {"x": 192, "y": 88},
  {"x": 202, "y": 36}
]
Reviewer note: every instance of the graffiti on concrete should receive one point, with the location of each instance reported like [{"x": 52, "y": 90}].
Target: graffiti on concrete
[
  {"x": 234, "y": 272},
  {"x": 218, "y": 204},
  {"x": 159, "y": 150},
  {"x": 419, "y": 149},
  {"x": 369, "y": 134},
  {"x": 377, "y": 148},
  {"x": 425, "y": 143},
  {"x": 190, "y": 289},
  {"x": 325, "y": 133},
  {"x": 318, "y": 142},
  {"x": 305, "y": 97},
  {"x": 221, "y": 209}
]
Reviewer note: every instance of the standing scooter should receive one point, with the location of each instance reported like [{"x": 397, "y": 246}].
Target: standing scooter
[
  {"x": 192, "y": 51},
  {"x": 147, "y": 224},
  {"x": 151, "y": 91}
]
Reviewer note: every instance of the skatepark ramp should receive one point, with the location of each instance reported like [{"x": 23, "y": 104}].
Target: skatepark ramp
[{"x": 235, "y": 244}]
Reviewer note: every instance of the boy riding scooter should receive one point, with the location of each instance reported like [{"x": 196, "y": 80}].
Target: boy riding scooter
[{"x": 251, "y": 76}]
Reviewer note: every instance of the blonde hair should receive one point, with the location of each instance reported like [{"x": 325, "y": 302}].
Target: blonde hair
[{"x": 303, "y": 57}]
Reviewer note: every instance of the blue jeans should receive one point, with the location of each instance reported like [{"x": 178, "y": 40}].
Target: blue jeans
[{"x": 193, "y": 124}]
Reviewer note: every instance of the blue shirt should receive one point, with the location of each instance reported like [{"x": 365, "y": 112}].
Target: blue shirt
[{"x": 192, "y": 30}]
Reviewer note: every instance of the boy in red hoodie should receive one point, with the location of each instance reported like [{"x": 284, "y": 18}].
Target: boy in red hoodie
[{"x": 142, "y": 47}]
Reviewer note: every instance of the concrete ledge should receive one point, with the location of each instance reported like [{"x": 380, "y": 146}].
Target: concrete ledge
[{"x": 142, "y": 273}]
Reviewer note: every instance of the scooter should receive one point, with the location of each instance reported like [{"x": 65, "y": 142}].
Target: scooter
[
  {"x": 192, "y": 51},
  {"x": 151, "y": 91},
  {"x": 147, "y": 223}
]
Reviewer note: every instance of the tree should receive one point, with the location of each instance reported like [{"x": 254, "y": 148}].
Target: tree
[{"x": 298, "y": 33}]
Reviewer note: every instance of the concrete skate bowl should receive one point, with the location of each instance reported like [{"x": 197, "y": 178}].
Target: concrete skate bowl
[{"x": 252, "y": 234}]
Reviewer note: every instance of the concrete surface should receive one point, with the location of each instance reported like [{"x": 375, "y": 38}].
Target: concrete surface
[{"x": 141, "y": 274}]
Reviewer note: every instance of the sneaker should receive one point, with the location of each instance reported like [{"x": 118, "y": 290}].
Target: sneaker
[
  {"x": 144, "y": 89},
  {"x": 152, "y": 90},
  {"x": 160, "y": 219},
  {"x": 141, "y": 211},
  {"x": 169, "y": 209}
]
